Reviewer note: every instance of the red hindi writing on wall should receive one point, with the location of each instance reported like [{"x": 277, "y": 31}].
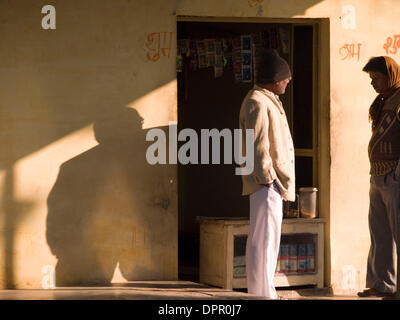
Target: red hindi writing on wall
[
  {"x": 350, "y": 51},
  {"x": 392, "y": 44},
  {"x": 158, "y": 44}
]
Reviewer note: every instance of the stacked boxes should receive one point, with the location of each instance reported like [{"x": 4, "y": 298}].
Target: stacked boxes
[
  {"x": 239, "y": 267},
  {"x": 302, "y": 257},
  {"x": 296, "y": 255},
  {"x": 296, "y": 259},
  {"x": 310, "y": 261},
  {"x": 284, "y": 258},
  {"x": 278, "y": 263},
  {"x": 292, "y": 258}
]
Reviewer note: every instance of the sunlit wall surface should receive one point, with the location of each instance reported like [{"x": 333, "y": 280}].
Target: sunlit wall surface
[{"x": 76, "y": 192}]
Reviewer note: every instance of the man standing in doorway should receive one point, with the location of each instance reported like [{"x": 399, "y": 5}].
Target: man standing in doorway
[
  {"x": 384, "y": 155},
  {"x": 273, "y": 177}
]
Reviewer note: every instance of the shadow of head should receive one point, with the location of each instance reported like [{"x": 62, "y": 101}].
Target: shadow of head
[{"x": 122, "y": 128}]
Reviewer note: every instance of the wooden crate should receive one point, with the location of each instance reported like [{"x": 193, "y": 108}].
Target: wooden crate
[{"x": 217, "y": 251}]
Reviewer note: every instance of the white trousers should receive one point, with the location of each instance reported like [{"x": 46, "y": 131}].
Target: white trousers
[{"x": 263, "y": 242}]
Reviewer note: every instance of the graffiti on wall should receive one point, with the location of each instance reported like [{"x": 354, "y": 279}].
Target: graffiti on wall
[
  {"x": 158, "y": 44},
  {"x": 392, "y": 44},
  {"x": 350, "y": 51}
]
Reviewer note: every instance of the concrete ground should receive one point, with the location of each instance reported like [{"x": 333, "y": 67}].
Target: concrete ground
[{"x": 164, "y": 290}]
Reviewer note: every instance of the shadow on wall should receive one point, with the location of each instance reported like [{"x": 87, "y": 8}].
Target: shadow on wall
[
  {"x": 104, "y": 206},
  {"x": 60, "y": 91},
  {"x": 41, "y": 65},
  {"x": 16, "y": 211},
  {"x": 58, "y": 73}
]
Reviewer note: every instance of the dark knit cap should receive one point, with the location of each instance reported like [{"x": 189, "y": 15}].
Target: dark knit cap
[{"x": 271, "y": 67}]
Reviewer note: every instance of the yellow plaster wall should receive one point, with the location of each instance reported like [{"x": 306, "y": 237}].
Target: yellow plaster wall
[
  {"x": 57, "y": 83},
  {"x": 76, "y": 192},
  {"x": 351, "y": 96},
  {"x": 344, "y": 98}
]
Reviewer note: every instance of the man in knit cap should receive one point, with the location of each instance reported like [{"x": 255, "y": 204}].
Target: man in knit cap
[
  {"x": 273, "y": 177},
  {"x": 384, "y": 155}
]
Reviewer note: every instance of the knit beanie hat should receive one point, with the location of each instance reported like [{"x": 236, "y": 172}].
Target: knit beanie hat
[{"x": 271, "y": 67}]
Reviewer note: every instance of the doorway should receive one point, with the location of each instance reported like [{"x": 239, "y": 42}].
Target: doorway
[{"x": 210, "y": 96}]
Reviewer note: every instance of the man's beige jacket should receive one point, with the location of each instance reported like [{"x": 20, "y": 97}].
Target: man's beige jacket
[{"x": 262, "y": 111}]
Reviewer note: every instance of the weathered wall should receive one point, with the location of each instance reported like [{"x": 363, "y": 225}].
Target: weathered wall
[
  {"x": 76, "y": 192},
  {"x": 57, "y": 83},
  {"x": 351, "y": 95},
  {"x": 357, "y": 30},
  {"x": 352, "y": 43}
]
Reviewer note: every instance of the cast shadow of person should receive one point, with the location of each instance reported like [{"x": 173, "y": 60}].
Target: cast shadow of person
[{"x": 99, "y": 199}]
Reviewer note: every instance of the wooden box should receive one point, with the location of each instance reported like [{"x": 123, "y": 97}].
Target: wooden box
[{"x": 217, "y": 251}]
